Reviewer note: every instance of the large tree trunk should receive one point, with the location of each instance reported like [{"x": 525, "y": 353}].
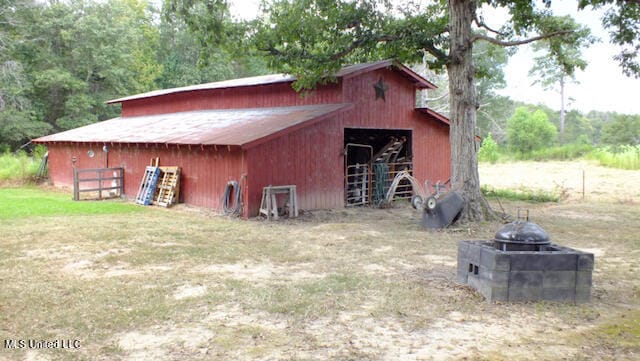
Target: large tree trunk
[{"x": 463, "y": 106}]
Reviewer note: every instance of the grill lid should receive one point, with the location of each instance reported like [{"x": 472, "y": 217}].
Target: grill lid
[{"x": 522, "y": 232}]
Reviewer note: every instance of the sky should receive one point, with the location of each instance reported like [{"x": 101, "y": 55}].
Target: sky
[{"x": 601, "y": 86}]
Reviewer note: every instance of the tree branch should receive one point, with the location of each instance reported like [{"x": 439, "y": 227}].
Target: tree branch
[
  {"x": 431, "y": 49},
  {"x": 518, "y": 42},
  {"x": 482, "y": 24}
]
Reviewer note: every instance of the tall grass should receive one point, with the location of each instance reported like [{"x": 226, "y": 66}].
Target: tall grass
[
  {"x": 18, "y": 167},
  {"x": 622, "y": 157},
  {"x": 563, "y": 152}
]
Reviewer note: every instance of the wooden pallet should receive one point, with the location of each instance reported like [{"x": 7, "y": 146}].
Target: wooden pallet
[
  {"x": 168, "y": 190},
  {"x": 390, "y": 152},
  {"x": 147, "y": 188}
]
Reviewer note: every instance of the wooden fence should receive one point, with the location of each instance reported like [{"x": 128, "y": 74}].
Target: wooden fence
[{"x": 97, "y": 181}]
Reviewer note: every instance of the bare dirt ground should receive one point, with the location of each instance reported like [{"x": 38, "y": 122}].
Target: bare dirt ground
[{"x": 352, "y": 284}]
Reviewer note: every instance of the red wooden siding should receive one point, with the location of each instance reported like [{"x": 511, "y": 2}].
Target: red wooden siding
[
  {"x": 310, "y": 158},
  {"x": 263, "y": 96},
  {"x": 204, "y": 171}
]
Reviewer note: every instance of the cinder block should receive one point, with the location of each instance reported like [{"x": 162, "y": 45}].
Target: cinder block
[
  {"x": 528, "y": 261},
  {"x": 584, "y": 279},
  {"x": 525, "y": 293},
  {"x": 473, "y": 253},
  {"x": 462, "y": 276},
  {"x": 476, "y": 282},
  {"x": 494, "y": 259},
  {"x": 585, "y": 261},
  {"x": 496, "y": 278},
  {"x": 559, "y": 279},
  {"x": 498, "y": 294},
  {"x": 559, "y": 261},
  {"x": 525, "y": 279},
  {"x": 583, "y": 294},
  {"x": 502, "y": 262},
  {"x": 463, "y": 246},
  {"x": 559, "y": 294}
]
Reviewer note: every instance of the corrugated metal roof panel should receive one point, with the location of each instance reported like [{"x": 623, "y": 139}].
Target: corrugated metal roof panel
[
  {"x": 206, "y": 127},
  {"x": 232, "y": 83},
  {"x": 347, "y": 71}
]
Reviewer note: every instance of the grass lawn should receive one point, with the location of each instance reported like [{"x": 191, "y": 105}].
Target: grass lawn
[
  {"x": 36, "y": 202},
  {"x": 136, "y": 283}
]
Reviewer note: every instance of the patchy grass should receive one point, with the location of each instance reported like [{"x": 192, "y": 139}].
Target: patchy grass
[
  {"x": 521, "y": 194},
  {"x": 180, "y": 283}
]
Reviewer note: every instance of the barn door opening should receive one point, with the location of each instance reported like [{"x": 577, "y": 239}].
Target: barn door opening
[{"x": 372, "y": 158}]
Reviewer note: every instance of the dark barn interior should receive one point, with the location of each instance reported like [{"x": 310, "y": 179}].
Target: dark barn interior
[{"x": 373, "y": 157}]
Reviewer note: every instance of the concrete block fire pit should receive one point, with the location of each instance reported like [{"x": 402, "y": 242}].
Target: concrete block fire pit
[{"x": 510, "y": 268}]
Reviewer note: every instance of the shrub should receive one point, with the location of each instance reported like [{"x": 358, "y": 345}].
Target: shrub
[
  {"x": 527, "y": 131},
  {"x": 489, "y": 151},
  {"x": 18, "y": 167}
]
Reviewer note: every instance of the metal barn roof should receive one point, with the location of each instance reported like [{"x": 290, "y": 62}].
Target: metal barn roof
[
  {"x": 205, "y": 127},
  {"x": 346, "y": 72}
]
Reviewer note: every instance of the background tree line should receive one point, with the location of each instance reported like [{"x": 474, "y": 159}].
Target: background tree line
[{"x": 61, "y": 60}]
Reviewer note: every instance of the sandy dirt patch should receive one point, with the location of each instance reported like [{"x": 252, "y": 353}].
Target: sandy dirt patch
[
  {"x": 189, "y": 291},
  {"x": 260, "y": 272},
  {"x": 599, "y": 182}
]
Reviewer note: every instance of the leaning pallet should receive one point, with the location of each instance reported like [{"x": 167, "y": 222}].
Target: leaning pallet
[
  {"x": 148, "y": 185},
  {"x": 168, "y": 189}
]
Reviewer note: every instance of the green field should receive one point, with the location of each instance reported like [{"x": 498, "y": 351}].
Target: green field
[{"x": 36, "y": 202}]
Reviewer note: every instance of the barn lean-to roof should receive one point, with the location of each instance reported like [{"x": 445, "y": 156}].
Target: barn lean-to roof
[
  {"x": 235, "y": 127},
  {"x": 344, "y": 73}
]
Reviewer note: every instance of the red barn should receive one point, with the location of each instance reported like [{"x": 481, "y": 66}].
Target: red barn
[{"x": 260, "y": 132}]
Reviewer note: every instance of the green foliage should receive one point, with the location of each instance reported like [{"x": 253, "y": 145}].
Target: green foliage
[
  {"x": 17, "y": 126},
  {"x": 528, "y": 131},
  {"x": 623, "y": 157},
  {"x": 624, "y": 129},
  {"x": 33, "y": 202},
  {"x": 493, "y": 115},
  {"x": 313, "y": 38},
  {"x": 563, "y": 152},
  {"x": 561, "y": 58},
  {"x": 578, "y": 128},
  {"x": 622, "y": 19},
  {"x": 522, "y": 194},
  {"x": 18, "y": 167},
  {"x": 61, "y": 60},
  {"x": 489, "y": 150},
  {"x": 76, "y": 55}
]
